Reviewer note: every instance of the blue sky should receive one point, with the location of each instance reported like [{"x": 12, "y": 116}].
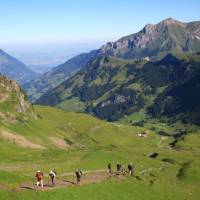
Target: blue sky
[{"x": 57, "y": 21}]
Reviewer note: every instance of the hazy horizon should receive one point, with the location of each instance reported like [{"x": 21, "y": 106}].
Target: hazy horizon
[
  {"x": 50, "y": 32},
  {"x": 50, "y": 54}
]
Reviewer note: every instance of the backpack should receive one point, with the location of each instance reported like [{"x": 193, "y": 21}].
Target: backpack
[
  {"x": 54, "y": 172},
  {"x": 39, "y": 176},
  {"x": 80, "y": 171}
]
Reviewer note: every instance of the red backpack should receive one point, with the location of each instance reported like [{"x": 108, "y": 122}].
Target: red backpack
[{"x": 39, "y": 176}]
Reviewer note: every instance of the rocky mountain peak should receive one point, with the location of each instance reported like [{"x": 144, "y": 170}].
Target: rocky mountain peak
[
  {"x": 170, "y": 21},
  {"x": 166, "y": 36},
  {"x": 148, "y": 28}
]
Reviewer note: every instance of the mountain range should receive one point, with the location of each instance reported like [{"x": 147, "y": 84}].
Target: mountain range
[
  {"x": 154, "y": 72},
  {"x": 155, "y": 40},
  {"x": 151, "y": 43},
  {"x": 15, "y": 69}
]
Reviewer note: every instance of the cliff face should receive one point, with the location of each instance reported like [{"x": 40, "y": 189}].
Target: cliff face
[{"x": 14, "y": 105}]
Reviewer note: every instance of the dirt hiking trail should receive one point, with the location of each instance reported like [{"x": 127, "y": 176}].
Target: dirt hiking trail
[{"x": 69, "y": 180}]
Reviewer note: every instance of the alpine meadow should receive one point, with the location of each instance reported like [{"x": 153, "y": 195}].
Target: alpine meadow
[{"x": 119, "y": 119}]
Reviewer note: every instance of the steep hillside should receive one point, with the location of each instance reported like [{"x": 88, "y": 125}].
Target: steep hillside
[
  {"x": 14, "y": 69},
  {"x": 112, "y": 88},
  {"x": 180, "y": 100},
  {"x": 35, "y": 88},
  {"x": 152, "y": 42},
  {"x": 14, "y": 106}
]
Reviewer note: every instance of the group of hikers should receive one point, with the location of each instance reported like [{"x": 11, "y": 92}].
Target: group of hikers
[
  {"x": 40, "y": 176},
  {"x": 52, "y": 176},
  {"x": 79, "y": 173},
  {"x": 121, "y": 170}
]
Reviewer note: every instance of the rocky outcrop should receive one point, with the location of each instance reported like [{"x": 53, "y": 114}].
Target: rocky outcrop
[
  {"x": 119, "y": 99},
  {"x": 13, "y": 101}
]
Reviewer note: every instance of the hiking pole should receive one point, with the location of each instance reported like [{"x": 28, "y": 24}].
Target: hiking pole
[
  {"x": 48, "y": 182},
  {"x": 33, "y": 183}
]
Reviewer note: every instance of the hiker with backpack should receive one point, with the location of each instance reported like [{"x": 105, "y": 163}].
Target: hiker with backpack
[
  {"x": 109, "y": 168},
  {"x": 78, "y": 174},
  {"x": 130, "y": 169},
  {"x": 119, "y": 168},
  {"x": 39, "y": 175},
  {"x": 52, "y": 175}
]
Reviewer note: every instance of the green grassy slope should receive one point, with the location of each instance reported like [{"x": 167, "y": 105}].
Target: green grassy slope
[
  {"x": 83, "y": 134},
  {"x": 93, "y": 143},
  {"x": 111, "y": 190}
]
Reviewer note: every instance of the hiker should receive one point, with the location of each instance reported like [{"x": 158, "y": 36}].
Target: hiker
[
  {"x": 120, "y": 169},
  {"x": 39, "y": 175},
  {"x": 78, "y": 174},
  {"x": 109, "y": 168},
  {"x": 143, "y": 134},
  {"x": 130, "y": 169},
  {"x": 52, "y": 175}
]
